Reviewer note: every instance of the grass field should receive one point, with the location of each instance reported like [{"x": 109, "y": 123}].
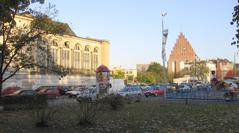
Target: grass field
[{"x": 143, "y": 117}]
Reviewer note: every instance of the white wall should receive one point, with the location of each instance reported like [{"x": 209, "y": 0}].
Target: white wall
[{"x": 34, "y": 81}]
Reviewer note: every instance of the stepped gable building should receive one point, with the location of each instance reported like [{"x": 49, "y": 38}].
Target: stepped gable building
[{"x": 182, "y": 53}]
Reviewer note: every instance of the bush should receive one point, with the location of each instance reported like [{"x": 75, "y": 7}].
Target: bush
[
  {"x": 116, "y": 102},
  {"x": 86, "y": 113},
  {"x": 24, "y": 102},
  {"x": 44, "y": 115}
]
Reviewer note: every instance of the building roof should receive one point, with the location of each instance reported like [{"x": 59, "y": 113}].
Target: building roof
[{"x": 68, "y": 31}]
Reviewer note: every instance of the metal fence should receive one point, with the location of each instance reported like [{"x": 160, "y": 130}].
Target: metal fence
[{"x": 200, "y": 94}]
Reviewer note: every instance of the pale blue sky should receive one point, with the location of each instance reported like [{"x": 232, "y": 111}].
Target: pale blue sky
[{"x": 133, "y": 27}]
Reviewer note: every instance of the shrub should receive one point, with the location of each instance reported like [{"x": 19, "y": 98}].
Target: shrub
[
  {"x": 24, "y": 102},
  {"x": 116, "y": 102},
  {"x": 86, "y": 113},
  {"x": 44, "y": 115}
]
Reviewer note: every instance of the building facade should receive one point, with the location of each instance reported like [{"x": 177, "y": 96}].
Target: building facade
[
  {"x": 80, "y": 55},
  {"x": 130, "y": 75},
  {"x": 223, "y": 66},
  {"x": 181, "y": 54}
]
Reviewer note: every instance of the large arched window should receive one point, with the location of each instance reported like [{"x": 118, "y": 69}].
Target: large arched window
[
  {"x": 77, "y": 56},
  {"x": 65, "y": 55},
  {"x": 86, "y": 58},
  {"x": 95, "y": 58},
  {"x": 54, "y": 51}
]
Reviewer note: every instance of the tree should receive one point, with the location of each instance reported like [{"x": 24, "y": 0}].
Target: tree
[
  {"x": 235, "y": 21},
  {"x": 118, "y": 74},
  {"x": 200, "y": 70},
  {"x": 17, "y": 43},
  {"x": 157, "y": 71},
  {"x": 154, "y": 74}
]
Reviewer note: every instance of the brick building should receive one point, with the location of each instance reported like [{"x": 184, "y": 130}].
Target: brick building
[
  {"x": 181, "y": 54},
  {"x": 224, "y": 68}
]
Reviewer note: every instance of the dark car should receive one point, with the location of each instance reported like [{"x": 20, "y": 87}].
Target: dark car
[{"x": 23, "y": 93}]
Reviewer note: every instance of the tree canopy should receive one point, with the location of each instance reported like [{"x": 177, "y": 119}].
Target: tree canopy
[
  {"x": 235, "y": 22},
  {"x": 154, "y": 74}
]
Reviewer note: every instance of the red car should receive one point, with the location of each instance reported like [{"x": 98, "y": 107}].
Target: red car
[
  {"x": 154, "y": 91},
  {"x": 9, "y": 90},
  {"x": 50, "y": 92}
]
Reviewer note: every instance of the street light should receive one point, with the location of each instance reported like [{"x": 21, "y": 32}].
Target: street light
[{"x": 164, "y": 41}]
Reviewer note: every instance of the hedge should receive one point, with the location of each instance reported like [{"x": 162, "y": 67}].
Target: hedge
[{"x": 24, "y": 102}]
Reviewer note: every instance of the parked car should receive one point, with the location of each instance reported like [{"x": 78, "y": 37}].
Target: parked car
[
  {"x": 184, "y": 87},
  {"x": 63, "y": 89},
  {"x": 23, "y": 93},
  {"x": 131, "y": 92},
  {"x": 154, "y": 91},
  {"x": 77, "y": 91},
  {"x": 51, "y": 92},
  {"x": 88, "y": 94},
  {"x": 10, "y": 90}
]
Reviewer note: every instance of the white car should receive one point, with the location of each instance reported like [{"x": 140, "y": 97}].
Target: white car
[
  {"x": 184, "y": 87},
  {"x": 73, "y": 93},
  {"x": 88, "y": 94}
]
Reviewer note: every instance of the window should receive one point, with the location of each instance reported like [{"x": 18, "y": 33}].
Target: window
[
  {"x": 65, "y": 57},
  {"x": 54, "y": 55},
  {"x": 66, "y": 45},
  {"x": 77, "y": 47},
  {"x": 54, "y": 43},
  {"x": 54, "y": 52},
  {"x": 95, "y": 58},
  {"x": 77, "y": 59},
  {"x": 86, "y": 58},
  {"x": 77, "y": 55}
]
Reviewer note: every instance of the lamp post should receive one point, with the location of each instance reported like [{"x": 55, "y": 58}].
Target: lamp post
[{"x": 164, "y": 41}]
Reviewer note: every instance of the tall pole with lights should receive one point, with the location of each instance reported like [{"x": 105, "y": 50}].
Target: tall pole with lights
[{"x": 164, "y": 41}]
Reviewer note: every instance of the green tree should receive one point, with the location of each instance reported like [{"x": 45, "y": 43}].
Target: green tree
[
  {"x": 18, "y": 42},
  {"x": 118, "y": 74},
  {"x": 146, "y": 77},
  {"x": 200, "y": 70},
  {"x": 154, "y": 74},
  {"x": 235, "y": 21},
  {"x": 157, "y": 71}
]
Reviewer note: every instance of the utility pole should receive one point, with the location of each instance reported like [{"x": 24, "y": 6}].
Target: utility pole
[
  {"x": 164, "y": 41},
  {"x": 235, "y": 67}
]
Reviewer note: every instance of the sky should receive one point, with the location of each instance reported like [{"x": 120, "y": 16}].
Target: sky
[{"x": 134, "y": 27}]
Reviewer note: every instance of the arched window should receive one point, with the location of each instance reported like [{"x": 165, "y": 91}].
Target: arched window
[
  {"x": 65, "y": 55},
  {"x": 77, "y": 56},
  {"x": 54, "y": 43},
  {"x": 77, "y": 47},
  {"x": 66, "y": 44},
  {"x": 54, "y": 52},
  {"x": 86, "y": 58},
  {"x": 95, "y": 58}
]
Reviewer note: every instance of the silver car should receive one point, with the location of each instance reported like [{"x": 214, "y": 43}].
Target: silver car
[{"x": 131, "y": 91}]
